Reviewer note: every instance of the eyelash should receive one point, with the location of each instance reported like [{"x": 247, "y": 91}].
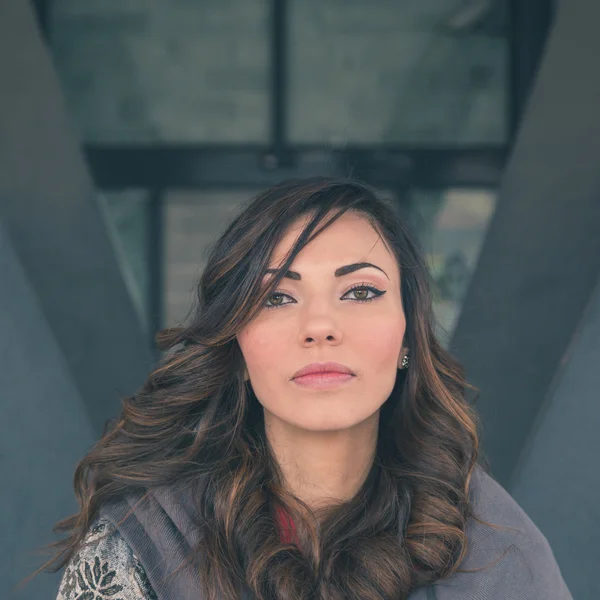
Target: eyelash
[{"x": 361, "y": 286}]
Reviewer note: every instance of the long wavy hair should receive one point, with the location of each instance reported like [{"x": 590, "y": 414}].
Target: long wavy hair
[{"x": 196, "y": 419}]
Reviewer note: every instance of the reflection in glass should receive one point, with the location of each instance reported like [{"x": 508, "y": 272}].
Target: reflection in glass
[
  {"x": 127, "y": 220},
  {"x": 398, "y": 71},
  {"x": 451, "y": 225},
  {"x": 186, "y": 71},
  {"x": 193, "y": 221}
]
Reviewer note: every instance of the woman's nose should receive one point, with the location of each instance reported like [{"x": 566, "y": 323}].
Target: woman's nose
[{"x": 319, "y": 330}]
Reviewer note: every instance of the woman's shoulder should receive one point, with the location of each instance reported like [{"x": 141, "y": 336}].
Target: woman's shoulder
[
  {"x": 104, "y": 567},
  {"x": 513, "y": 558},
  {"x": 508, "y": 522}
]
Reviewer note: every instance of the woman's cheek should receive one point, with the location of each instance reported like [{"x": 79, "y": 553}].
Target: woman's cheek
[
  {"x": 382, "y": 338},
  {"x": 261, "y": 344}
]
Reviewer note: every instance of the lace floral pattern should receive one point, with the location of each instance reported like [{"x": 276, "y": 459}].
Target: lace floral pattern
[{"x": 105, "y": 568}]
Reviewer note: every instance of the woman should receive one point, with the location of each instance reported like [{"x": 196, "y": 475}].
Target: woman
[{"x": 305, "y": 437}]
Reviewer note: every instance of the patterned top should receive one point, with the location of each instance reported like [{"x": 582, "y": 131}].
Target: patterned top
[{"x": 105, "y": 569}]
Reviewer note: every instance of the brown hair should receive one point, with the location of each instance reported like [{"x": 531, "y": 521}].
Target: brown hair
[{"x": 195, "y": 417}]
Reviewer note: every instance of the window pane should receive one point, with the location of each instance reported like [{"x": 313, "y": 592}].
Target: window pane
[
  {"x": 451, "y": 225},
  {"x": 146, "y": 71},
  {"x": 193, "y": 221},
  {"x": 398, "y": 71},
  {"x": 127, "y": 219}
]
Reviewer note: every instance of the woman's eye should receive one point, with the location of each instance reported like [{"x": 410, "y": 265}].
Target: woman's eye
[
  {"x": 364, "y": 293},
  {"x": 276, "y": 299}
]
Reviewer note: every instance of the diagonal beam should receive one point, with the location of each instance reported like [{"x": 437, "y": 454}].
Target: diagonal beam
[
  {"x": 560, "y": 459},
  {"x": 49, "y": 210},
  {"x": 541, "y": 256}
]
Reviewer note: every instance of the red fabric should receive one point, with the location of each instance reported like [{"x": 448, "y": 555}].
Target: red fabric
[{"x": 287, "y": 529}]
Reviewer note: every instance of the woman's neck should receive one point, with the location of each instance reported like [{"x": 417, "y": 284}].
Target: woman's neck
[{"x": 323, "y": 467}]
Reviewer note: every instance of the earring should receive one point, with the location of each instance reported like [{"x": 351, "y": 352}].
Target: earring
[{"x": 405, "y": 362}]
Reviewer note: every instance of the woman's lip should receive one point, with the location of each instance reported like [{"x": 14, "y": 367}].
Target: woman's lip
[
  {"x": 325, "y": 367},
  {"x": 323, "y": 380}
]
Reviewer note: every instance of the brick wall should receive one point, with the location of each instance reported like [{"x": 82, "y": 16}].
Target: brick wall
[
  {"x": 152, "y": 70},
  {"x": 360, "y": 71},
  {"x": 427, "y": 72},
  {"x": 193, "y": 222}
]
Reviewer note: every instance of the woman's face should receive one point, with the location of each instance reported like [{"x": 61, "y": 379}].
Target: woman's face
[{"x": 317, "y": 315}]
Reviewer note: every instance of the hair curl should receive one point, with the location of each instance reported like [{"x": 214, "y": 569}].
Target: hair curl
[{"x": 195, "y": 418}]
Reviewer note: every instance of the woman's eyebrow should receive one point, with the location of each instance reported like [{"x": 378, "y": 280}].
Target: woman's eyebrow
[{"x": 339, "y": 272}]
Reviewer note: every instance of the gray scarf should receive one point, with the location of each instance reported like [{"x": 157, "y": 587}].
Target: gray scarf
[{"x": 160, "y": 531}]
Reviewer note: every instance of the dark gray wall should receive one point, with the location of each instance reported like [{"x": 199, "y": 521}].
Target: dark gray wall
[
  {"x": 541, "y": 257},
  {"x": 558, "y": 478},
  {"x": 48, "y": 206},
  {"x": 44, "y": 431},
  {"x": 71, "y": 343}
]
